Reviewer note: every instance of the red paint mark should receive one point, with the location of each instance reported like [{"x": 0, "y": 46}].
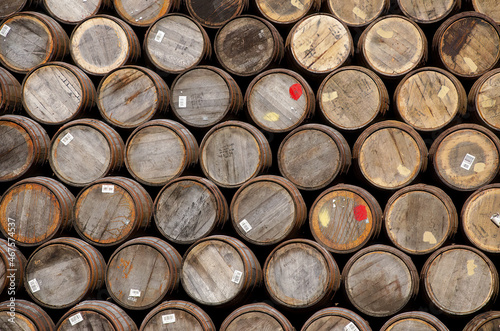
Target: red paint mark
[
  {"x": 360, "y": 213},
  {"x": 296, "y": 91}
]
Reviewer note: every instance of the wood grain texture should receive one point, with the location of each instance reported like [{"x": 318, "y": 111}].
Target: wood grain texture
[
  {"x": 335, "y": 318},
  {"x": 484, "y": 99},
  {"x": 380, "y": 280},
  {"x": 10, "y": 93},
  {"x": 427, "y": 12},
  {"x": 415, "y": 321},
  {"x": 487, "y": 321},
  {"x": 459, "y": 280},
  {"x": 286, "y": 12},
  {"x": 29, "y": 317},
  {"x": 487, "y": 7},
  {"x": 358, "y": 13},
  {"x": 12, "y": 266},
  {"x": 215, "y": 13},
  {"x": 255, "y": 317},
  {"x": 144, "y": 13},
  {"x": 8, "y": 8},
  {"x": 73, "y": 11}
]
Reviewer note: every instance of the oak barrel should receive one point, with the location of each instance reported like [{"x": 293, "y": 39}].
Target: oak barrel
[
  {"x": 57, "y": 92},
  {"x": 390, "y": 154},
  {"x": 220, "y": 271},
  {"x": 131, "y": 95},
  {"x": 350, "y": 98},
  {"x": 415, "y": 321},
  {"x": 24, "y": 315},
  {"x": 74, "y": 11},
  {"x": 102, "y": 43},
  {"x": 96, "y": 315},
  {"x": 286, "y": 12},
  {"x": 12, "y": 266},
  {"x": 255, "y": 317},
  {"x": 85, "y": 150},
  {"x": 37, "y": 208},
  {"x": 177, "y": 315},
  {"x": 424, "y": 12},
  {"x": 111, "y": 210},
  {"x": 313, "y": 155},
  {"x": 420, "y": 218},
  {"x": 62, "y": 272},
  {"x": 247, "y": 45},
  {"x": 380, "y": 280},
  {"x": 468, "y": 44},
  {"x": 358, "y": 14},
  {"x": 234, "y": 152},
  {"x": 466, "y": 156},
  {"x": 300, "y": 273},
  {"x": 144, "y": 13},
  {"x": 267, "y": 210},
  {"x": 484, "y": 101},
  {"x": 142, "y": 271},
  {"x": 459, "y": 280},
  {"x": 215, "y": 13},
  {"x": 29, "y": 39},
  {"x": 24, "y": 147},
  {"x": 8, "y": 8},
  {"x": 10, "y": 93},
  {"x": 278, "y": 100},
  {"x": 205, "y": 95},
  {"x": 159, "y": 151},
  {"x": 189, "y": 208},
  {"x": 336, "y": 318},
  {"x": 344, "y": 218},
  {"x": 487, "y": 7},
  {"x": 175, "y": 43},
  {"x": 488, "y": 321}
]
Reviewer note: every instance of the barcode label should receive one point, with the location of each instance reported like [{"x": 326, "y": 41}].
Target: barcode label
[
  {"x": 159, "y": 36},
  {"x": 245, "y": 225},
  {"x": 182, "y": 101},
  {"x": 167, "y": 319},
  {"x": 75, "y": 319},
  {"x": 5, "y": 30},
  {"x": 34, "y": 285},
  {"x": 237, "y": 276},
  {"x": 351, "y": 327},
  {"x": 67, "y": 139},
  {"x": 468, "y": 161},
  {"x": 134, "y": 293},
  {"x": 495, "y": 218},
  {"x": 108, "y": 189}
]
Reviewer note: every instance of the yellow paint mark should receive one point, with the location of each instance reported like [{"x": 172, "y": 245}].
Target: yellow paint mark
[
  {"x": 403, "y": 170},
  {"x": 359, "y": 13},
  {"x": 470, "y": 64},
  {"x": 443, "y": 91},
  {"x": 330, "y": 96},
  {"x": 479, "y": 167},
  {"x": 385, "y": 34},
  {"x": 470, "y": 267},
  {"x": 272, "y": 117},
  {"x": 487, "y": 102},
  {"x": 429, "y": 238},
  {"x": 324, "y": 217},
  {"x": 298, "y": 4}
]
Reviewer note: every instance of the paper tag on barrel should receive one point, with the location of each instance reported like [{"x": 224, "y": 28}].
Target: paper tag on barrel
[
  {"x": 245, "y": 225},
  {"x": 67, "y": 139},
  {"x": 168, "y": 319},
  {"x": 468, "y": 161},
  {"x": 75, "y": 319},
  {"x": 237, "y": 276},
  {"x": 5, "y": 30},
  {"x": 495, "y": 218},
  {"x": 351, "y": 327},
  {"x": 34, "y": 285},
  {"x": 108, "y": 189}
]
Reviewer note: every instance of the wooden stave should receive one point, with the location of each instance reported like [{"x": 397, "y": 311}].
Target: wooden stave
[
  {"x": 383, "y": 11},
  {"x": 10, "y": 93},
  {"x": 167, "y": 6},
  {"x": 8, "y": 11},
  {"x": 477, "y": 323},
  {"x": 357, "y": 320},
  {"x": 41, "y": 320},
  {"x": 313, "y": 6},
  {"x": 477, "y": 6},
  {"x": 17, "y": 266},
  {"x": 456, "y": 5},
  {"x": 241, "y": 6},
  {"x": 102, "y": 4},
  {"x": 418, "y": 315},
  {"x": 473, "y": 99},
  {"x": 259, "y": 307}
]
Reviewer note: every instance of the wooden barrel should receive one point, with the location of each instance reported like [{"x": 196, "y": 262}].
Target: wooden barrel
[
  {"x": 57, "y": 92},
  {"x": 24, "y": 315},
  {"x": 102, "y": 43},
  {"x": 484, "y": 322},
  {"x": 175, "y": 43},
  {"x": 24, "y": 146},
  {"x": 131, "y": 95},
  {"x": 159, "y": 151},
  {"x": 220, "y": 271},
  {"x": 247, "y": 45},
  {"x": 96, "y": 315},
  {"x": 300, "y": 273},
  {"x": 111, "y": 210},
  {"x": 10, "y": 93},
  {"x": 334, "y": 318},
  {"x": 29, "y": 39},
  {"x": 215, "y": 13},
  {"x": 390, "y": 154},
  {"x": 358, "y": 14},
  {"x": 204, "y": 96},
  {"x": 267, "y": 210},
  {"x": 352, "y": 97},
  {"x": 85, "y": 150},
  {"x": 62, "y": 272},
  {"x": 424, "y": 12},
  {"x": 141, "y": 272},
  {"x": 74, "y": 11},
  {"x": 344, "y": 218},
  {"x": 234, "y": 152},
  {"x": 8, "y": 8},
  {"x": 37, "y": 208},
  {"x": 392, "y": 46},
  {"x": 319, "y": 43},
  {"x": 279, "y": 100},
  {"x": 487, "y": 7},
  {"x": 255, "y": 317},
  {"x": 12, "y": 266},
  {"x": 380, "y": 280},
  {"x": 189, "y": 208},
  {"x": 420, "y": 218},
  {"x": 177, "y": 316},
  {"x": 144, "y": 13},
  {"x": 455, "y": 272},
  {"x": 286, "y": 12},
  {"x": 430, "y": 98},
  {"x": 466, "y": 156},
  {"x": 313, "y": 155},
  {"x": 468, "y": 44},
  {"x": 484, "y": 102},
  {"x": 414, "y": 320}
]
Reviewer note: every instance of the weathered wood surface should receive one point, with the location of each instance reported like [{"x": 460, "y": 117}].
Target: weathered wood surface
[
  {"x": 487, "y": 7},
  {"x": 380, "y": 280},
  {"x": 352, "y": 97},
  {"x": 390, "y": 154},
  {"x": 320, "y": 43},
  {"x": 144, "y": 13},
  {"x": 28, "y": 317},
  {"x": 484, "y": 99},
  {"x": 427, "y": 12},
  {"x": 130, "y": 96},
  {"x": 468, "y": 44},
  {"x": 414, "y": 321},
  {"x": 420, "y": 218},
  {"x": 487, "y": 321},
  {"x": 358, "y": 13},
  {"x": 215, "y": 13},
  {"x": 10, "y": 93},
  {"x": 300, "y": 273},
  {"x": 175, "y": 43},
  {"x": 39, "y": 207},
  {"x": 111, "y": 210},
  {"x": 12, "y": 266},
  {"x": 189, "y": 208},
  {"x": 459, "y": 280},
  {"x": 141, "y": 272},
  {"x": 466, "y": 156},
  {"x": 73, "y": 11},
  {"x": 334, "y": 318},
  {"x": 255, "y": 317},
  {"x": 159, "y": 151},
  {"x": 286, "y": 12},
  {"x": 429, "y": 99},
  {"x": 247, "y": 45},
  {"x": 344, "y": 218},
  {"x": 8, "y": 8},
  {"x": 392, "y": 46}
]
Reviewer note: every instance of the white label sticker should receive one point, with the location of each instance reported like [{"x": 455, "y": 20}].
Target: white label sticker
[
  {"x": 134, "y": 293},
  {"x": 34, "y": 285},
  {"x": 245, "y": 225},
  {"x": 67, "y": 139},
  {"x": 75, "y": 319},
  {"x": 495, "y": 218},
  {"x": 468, "y": 161},
  {"x": 351, "y": 327},
  {"x": 237, "y": 276},
  {"x": 182, "y": 101},
  {"x": 5, "y": 30},
  {"x": 159, "y": 36},
  {"x": 167, "y": 319},
  {"x": 108, "y": 188}
]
